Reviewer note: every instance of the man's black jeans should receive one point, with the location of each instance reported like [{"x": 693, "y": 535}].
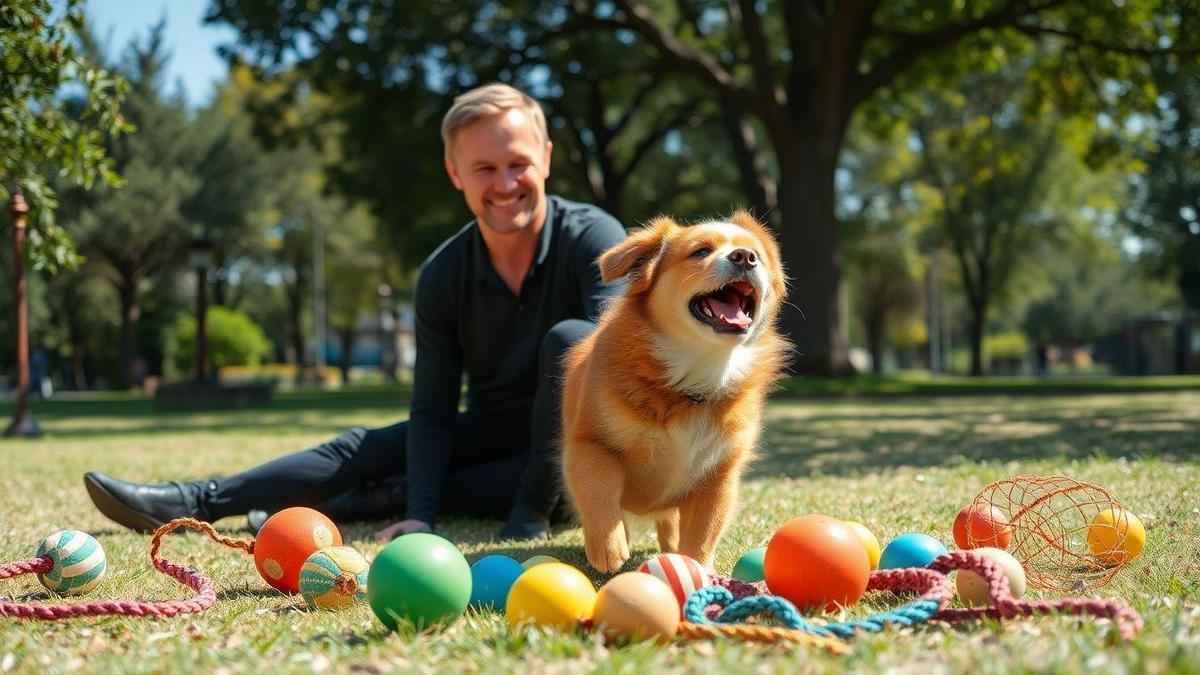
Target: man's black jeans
[{"x": 495, "y": 458}]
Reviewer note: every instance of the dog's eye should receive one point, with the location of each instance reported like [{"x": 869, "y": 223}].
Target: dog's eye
[{"x": 701, "y": 252}]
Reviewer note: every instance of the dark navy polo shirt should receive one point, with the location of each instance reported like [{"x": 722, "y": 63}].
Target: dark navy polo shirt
[{"x": 468, "y": 322}]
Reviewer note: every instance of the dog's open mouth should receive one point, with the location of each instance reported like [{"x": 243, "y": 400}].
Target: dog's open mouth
[{"x": 729, "y": 309}]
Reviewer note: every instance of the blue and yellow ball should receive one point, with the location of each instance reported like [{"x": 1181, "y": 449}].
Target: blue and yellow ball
[
  {"x": 78, "y": 560},
  {"x": 334, "y": 577}
]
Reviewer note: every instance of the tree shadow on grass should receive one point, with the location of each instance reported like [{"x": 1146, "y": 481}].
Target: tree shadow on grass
[
  {"x": 800, "y": 440},
  {"x": 137, "y": 414}
]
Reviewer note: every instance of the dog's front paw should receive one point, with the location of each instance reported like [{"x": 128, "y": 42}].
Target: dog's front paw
[{"x": 609, "y": 552}]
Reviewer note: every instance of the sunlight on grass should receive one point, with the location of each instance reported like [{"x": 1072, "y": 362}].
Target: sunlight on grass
[{"x": 896, "y": 464}]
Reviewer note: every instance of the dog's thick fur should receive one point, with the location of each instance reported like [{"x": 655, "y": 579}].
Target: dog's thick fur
[{"x": 662, "y": 404}]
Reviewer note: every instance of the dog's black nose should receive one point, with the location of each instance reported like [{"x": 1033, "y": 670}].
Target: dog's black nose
[{"x": 743, "y": 257}]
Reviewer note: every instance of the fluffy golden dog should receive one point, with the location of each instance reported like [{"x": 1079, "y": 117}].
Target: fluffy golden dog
[{"x": 662, "y": 404}]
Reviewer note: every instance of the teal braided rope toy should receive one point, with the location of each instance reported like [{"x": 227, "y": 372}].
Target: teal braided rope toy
[{"x": 735, "y": 602}]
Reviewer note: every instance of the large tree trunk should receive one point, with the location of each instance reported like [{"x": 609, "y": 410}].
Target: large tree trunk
[
  {"x": 756, "y": 182},
  {"x": 129, "y": 316},
  {"x": 78, "y": 365},
  {"x": 809, "y": 241},
  {"x": 346, "y": 336},
  {"x": 875, "y": 323},
  {"x": 295, "y": 325},
  {"x": 975, "y": 333}
]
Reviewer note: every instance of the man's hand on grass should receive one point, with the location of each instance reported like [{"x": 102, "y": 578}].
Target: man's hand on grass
[{"x": 401, "y": 528}]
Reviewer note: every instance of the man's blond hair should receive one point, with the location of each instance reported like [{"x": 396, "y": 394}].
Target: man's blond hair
[{"x": 487, "y": 100}]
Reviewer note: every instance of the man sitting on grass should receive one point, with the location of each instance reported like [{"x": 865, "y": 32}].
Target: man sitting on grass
[{"x": 502, "y": 300}]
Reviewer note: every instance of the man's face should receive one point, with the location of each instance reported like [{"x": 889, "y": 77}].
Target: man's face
[{"x": 501, "y": 164}]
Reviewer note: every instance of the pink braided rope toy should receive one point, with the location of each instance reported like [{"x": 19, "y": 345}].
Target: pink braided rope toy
[
  {"x": 204, "y": 598},
  {"x": 934, "y": 585}
]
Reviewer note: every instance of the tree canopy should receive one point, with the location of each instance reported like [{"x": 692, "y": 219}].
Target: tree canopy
[{"x": 40, "y": 65}]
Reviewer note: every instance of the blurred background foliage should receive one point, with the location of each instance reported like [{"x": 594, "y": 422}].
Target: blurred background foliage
[{"x": 992, "y": 186}]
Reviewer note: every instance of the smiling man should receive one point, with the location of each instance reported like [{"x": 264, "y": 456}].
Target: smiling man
[{"x": 499, "y": 302}]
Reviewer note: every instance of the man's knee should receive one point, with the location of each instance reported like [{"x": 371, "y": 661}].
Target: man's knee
[{"x": 561, "y": 337}]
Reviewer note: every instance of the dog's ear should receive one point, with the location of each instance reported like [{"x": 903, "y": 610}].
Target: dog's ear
[{"x": 636, "y": 257}]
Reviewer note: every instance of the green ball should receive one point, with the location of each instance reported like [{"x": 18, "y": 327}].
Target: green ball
[
  {"x": 749, "y": 567},
  {"x": 539, "y": 560},
  {"x": 421, "y": 579}
]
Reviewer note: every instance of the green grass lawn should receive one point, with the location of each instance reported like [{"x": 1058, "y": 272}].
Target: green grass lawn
[{"x": 897, "y": 463}]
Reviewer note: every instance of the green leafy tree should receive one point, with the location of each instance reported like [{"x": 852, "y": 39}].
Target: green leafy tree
[
  {"x": 234, "y": 185},
  {"x": 86, "y": 340},
  {"x": 40, "y": 66},
  {"x": 136, "y": 234},
  {"x": 804, "y": 68},
  {"x": 354, "y": 269},
  {"x": 885, "y": 214},
  {"x": 1009, "y": 174},
  {"x": 800, "y": 69},
  {"x": 616, "y": 121},
  {"x": 1092, "y": 288},
  {"x": 1166, "y": 213}
]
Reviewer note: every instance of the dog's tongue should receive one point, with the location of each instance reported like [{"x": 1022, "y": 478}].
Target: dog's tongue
[{"x": 732, "y": 314}]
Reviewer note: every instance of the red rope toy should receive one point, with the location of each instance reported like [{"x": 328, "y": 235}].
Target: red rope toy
[
  {"x": 935, "y": 588},
  {"x": 204, "y": 598}
]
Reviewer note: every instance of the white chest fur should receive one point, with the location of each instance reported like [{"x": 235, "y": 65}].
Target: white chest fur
[{"x": 703, "y": 370}]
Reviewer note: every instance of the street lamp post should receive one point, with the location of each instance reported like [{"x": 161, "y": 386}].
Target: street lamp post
[
  {"x": 200, "y": 254},
  {"x": 23, "y": 423}
]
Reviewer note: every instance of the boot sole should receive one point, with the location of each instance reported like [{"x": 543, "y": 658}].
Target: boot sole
[{"x": 117, "y": 511}]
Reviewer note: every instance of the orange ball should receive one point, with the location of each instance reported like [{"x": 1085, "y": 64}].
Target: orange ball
[
  {"x": 285, "y": 542},
  {"x": 981, "y": 525},
  {"x": 817, "y": 561}
]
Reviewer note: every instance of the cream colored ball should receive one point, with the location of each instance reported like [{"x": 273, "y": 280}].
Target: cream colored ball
[{"x": 973, "y": 589}]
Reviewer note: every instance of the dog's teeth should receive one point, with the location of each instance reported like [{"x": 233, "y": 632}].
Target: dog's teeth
[{"x": 708, "y": 312}]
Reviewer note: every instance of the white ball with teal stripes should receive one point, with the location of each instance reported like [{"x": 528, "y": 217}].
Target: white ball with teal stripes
[
  {"x": 334, "y": 577},
  {"x": 79, "y": 562}
]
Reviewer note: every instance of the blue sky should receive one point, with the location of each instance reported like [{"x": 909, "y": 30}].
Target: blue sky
[{"x": 194, "y": 62}]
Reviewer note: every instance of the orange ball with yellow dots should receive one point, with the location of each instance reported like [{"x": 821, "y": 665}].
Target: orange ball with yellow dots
[{"x": 285, "y": 542}]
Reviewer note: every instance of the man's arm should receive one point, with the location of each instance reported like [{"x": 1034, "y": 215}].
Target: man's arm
[
  {"x": 536, "y": 496},
  {"x": 604, "y": 233},
  {"x": 437, "y": 382}
]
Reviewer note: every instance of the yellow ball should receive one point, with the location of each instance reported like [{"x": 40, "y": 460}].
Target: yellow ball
[
  {"x": 551, "y": 594},
  {"x": 973, "y": 590},
  {"x": 868, "y": 540},
  {"x": 1116, "y": 536}
]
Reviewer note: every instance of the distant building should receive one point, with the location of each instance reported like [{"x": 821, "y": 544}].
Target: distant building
[
  {"x": 370, "y": 341},
  {"x": 1167, "y": 344}
]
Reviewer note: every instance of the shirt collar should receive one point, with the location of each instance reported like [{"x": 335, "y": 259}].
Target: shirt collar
[{"x": 483, "y": 264}]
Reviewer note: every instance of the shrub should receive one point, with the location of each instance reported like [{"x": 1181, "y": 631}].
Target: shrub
[
  {"x": 234, "y": 339},
  {"x": 1007, "y": 345}
]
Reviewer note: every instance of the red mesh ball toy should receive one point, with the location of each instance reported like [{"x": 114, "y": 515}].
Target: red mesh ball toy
[{"x": 1048, "y": 519}]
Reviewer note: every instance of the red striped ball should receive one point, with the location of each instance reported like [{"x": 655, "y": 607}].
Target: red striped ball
[{"x": 681, "y": 573}]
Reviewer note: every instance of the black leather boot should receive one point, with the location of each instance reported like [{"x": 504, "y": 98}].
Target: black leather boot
[
  {"x": 377, "y": 501},
  {"x": 525, "y": 524},
  {"x": 143, "y": 507}
]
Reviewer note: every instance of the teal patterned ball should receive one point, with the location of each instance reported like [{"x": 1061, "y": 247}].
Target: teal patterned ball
[
  {"x": 334, "y": 577},
  {"x": 79, "y": 562}
]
